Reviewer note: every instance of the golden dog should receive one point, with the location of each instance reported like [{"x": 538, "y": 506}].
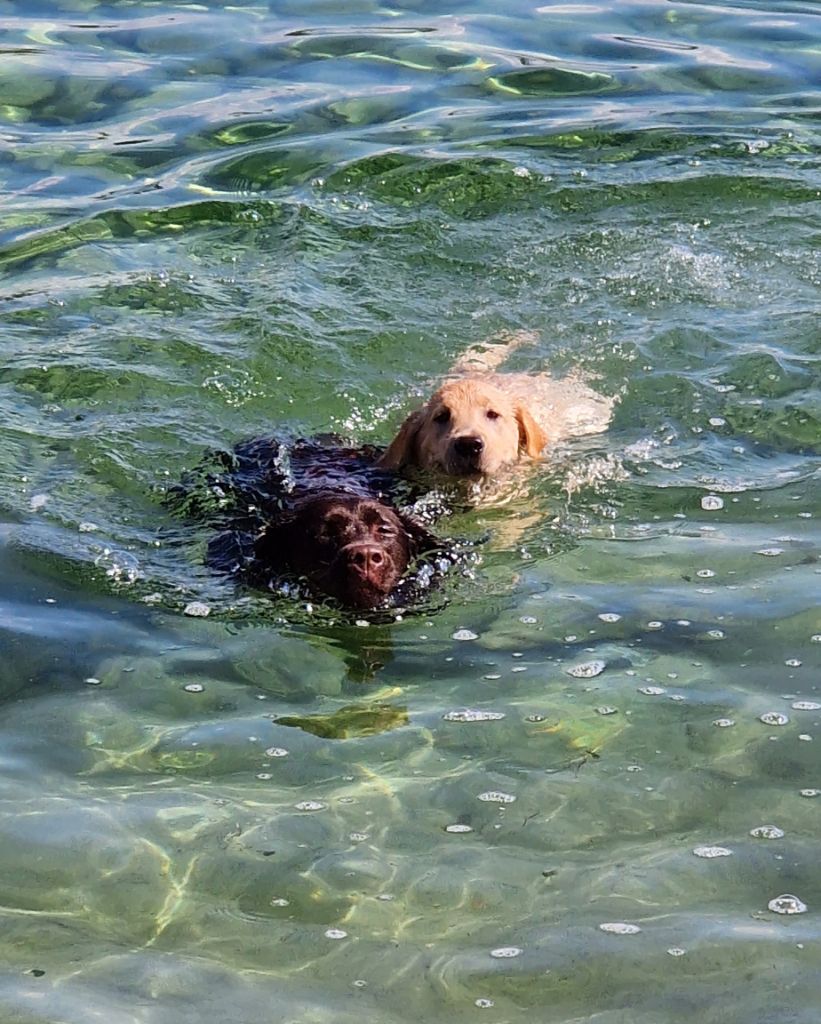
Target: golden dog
[{"x": 480, "y": 421}]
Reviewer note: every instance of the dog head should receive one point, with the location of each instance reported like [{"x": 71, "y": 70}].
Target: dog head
[
  {"x": 468, "y": 428},
  {"x": 351, "y": 548}
]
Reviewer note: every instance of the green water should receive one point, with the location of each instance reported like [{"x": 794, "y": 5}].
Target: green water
[{"x": 220, "y": 221}]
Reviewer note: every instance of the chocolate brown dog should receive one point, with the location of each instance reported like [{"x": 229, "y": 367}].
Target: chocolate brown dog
[{"x": 318, "y": 513}]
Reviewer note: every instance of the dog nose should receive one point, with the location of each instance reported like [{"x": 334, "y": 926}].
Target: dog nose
[
  {"x": 365, "y": 557},
  {"x": 468, "y": 447}
]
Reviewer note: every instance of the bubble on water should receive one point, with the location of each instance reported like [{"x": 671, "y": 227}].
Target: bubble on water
[
  {"x": 119, "y": 565},
  {"x": 773, "y": 718},
  {"x": 606, "y": 710},
  {"x": 652, "y": 691},
  {"x": 92, "y": 681},
  {"x": 359, "y": 837},
  {"x": 276, "y": 752},
  {"x": 806, "y": 705},
  {"x": 770, "y": 552},
  {"x": 715, "y": 634},
  {"x": 193, "y": 688},
  {"x": 493, "y": 796},
  {"x": 310, "y": 805},
  {"x": 815, "y": 638},
  {"x": 264, "y": 776},
  {"x": 473, "y": 715},
  {"x": 792, "y": 663},
  {"x": 712, "y": 851},
  {"x": 587, "y": 669},
  {"x": 619, "y": 928},
  {"x": 805, "y": 737},
  {"x": 787, "y": 904},
  {"x": 535, "y": 717},
  {"x": 458, "y": 829},
  {"x": 362, "y": 623},
  {"x": 197, "y": 609},
  {"x": 767, "y": 832},
  {"x": 359, "y": 983},
  {"x": 464, "y": 634},
  {"x": 610, "y": 617},
  {"x": 335, "y": 933},
  {"x": 723, "y": 723},
  {"x": 88, "y": 527},
  {"x": 712, "y": 503},
  {"x": 280, "y": 901},
  {"x": 506, "y": 952},
  {"x": 676, "y": 951},
  {"x": 528, "y": 620},
  {"x": 717, "y": 421},
  {"x": 38, "y": 501},
  {"x": 483, "y": 1004},
  {"x": 705, "y": 574},
  {"x": 655, "y": 624},
  {"x": 809, "y": 792}
]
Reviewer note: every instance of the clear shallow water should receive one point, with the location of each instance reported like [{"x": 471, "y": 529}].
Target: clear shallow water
[{"x": 219, "y": 222}]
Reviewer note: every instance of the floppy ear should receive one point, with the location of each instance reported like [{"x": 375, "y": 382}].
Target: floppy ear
[
  {"x": 531, "y": 436},
  {"x": 420, "y": 538},
  {"x": 403, "y": 448}
]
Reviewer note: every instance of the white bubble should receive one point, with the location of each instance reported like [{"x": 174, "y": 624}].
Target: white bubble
[
  {"x": 724, "y": 723},
  {"x": 197, "y": 609},
  {"x": 483, "y": 1004},
  {"x": 767, "y": 832},
  {"x": 280, "y": 901},
  {"x": 495, "y": 797},
  {"x": 655, "y": 624},
  {"x": 358, "y": 837},
  {"x": 587, "y": 669},
  {"x": 505, "y": 952},
  {"x": 193, "y": 688},
  {"x": 619, "y": 928},
  {"x": 787, "y": 904},
  {"x": 335, "y": 933},
  {"x": 276, "y": 752},
  {"x": 610, "y": 617},
  {"x": 473, "y": 715},
  {"x": 464, "y": 634},
  {"x": 652, "y": 691},
  {"x": 92, "y": 681},
  {"x": 606, "y": 710},
  {"x": 458, "y": 828},
  {"x": 792, "y": 663},
  {"x": 770, "y": 552},
  {"x": 809, "y": 792},
  {"x": 705, "y": 574},
  {"x": 676, "y": 951},
  {"x": 715, "y": 634},
  {"x": 712, "y": 503},
  {"x": 310, "y": 805},
  {"x": 806, "y": 705},
  {"x": 773, "y": 718},
  {"x": 528, "y": 620},
  {"x": 712, "y": 851}
]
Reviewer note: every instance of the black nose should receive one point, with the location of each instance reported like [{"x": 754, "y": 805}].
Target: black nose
[
  {"x": 468, "y": 447},
  {"x": 365, "y": 557}
]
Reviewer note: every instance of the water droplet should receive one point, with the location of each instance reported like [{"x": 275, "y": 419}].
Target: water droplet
[
  {"x": 705, "y": 574},
  {"x": 359, "y": 837},
  {"x": 473, "y": 715},
  {"x": 276, "y": 752},
  {"x": 610, "y": 617},
  {"x": 652, "y": 691},
  {"x": 335, "y": 933},
  {"x": 712, "y": 503},
  {"x": 587, "y": 669},
  {"x": 193, "y": 688},
  {"x": 495, "y": 797},
  {"x": 792, "y": 663},
  {"x": 92, "y": 681},
  {"x": 264, "y": 776},
  {"x": 676, "y": 951},
  {"x": 505, "y": 952},
  {"x": 619, "y": 928},
  {"x": 605, "y": 710},
  {"x": 484, "y": 1004},
  {"x": 715, "y": 634},
  {"x": 809, "y": 792},
  {"x": 787, "y": 904},
  {"x": 310, "y": 805},
  {"x": 280, "y": 901},
  {"x": 773, "y": 718},
  {"x": 724, "y": 723},
  {"x": 528, "y": 620},
  {"x": 767, "y": 832},
  {"x": 815, "y": 638},
  {"x": 458, "y": 828},
  {"x": 655, "y": 624},
  {"x": 712, "y": 851},
  {"x": 197, "y": 609},
  {"x": 806, "y": 705},
  {"x": 464, "y": 634}
]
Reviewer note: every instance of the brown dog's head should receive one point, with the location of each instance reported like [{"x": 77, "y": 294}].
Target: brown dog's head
[
  {"x": 350, "y": 548},
  {"x": 468, "y": 428}
]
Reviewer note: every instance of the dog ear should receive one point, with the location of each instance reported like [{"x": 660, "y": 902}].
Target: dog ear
[
  {"x": 403, "y": 448},
  {"x": 532, "y": 438},
  {"x": 421, "y": 540}
]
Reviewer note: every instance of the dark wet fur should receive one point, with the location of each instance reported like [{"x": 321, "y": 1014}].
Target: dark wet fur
[{"x": 317, "y": 512}]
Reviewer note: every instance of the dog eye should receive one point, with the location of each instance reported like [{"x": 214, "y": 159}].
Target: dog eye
[
  {"x": 492, "y": 414},
  {"x": 442, "y": 416},
  {"x": 385, "y": 529}
]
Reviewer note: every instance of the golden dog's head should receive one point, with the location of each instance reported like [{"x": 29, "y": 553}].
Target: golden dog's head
[{"x": 468, "y": 428}]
